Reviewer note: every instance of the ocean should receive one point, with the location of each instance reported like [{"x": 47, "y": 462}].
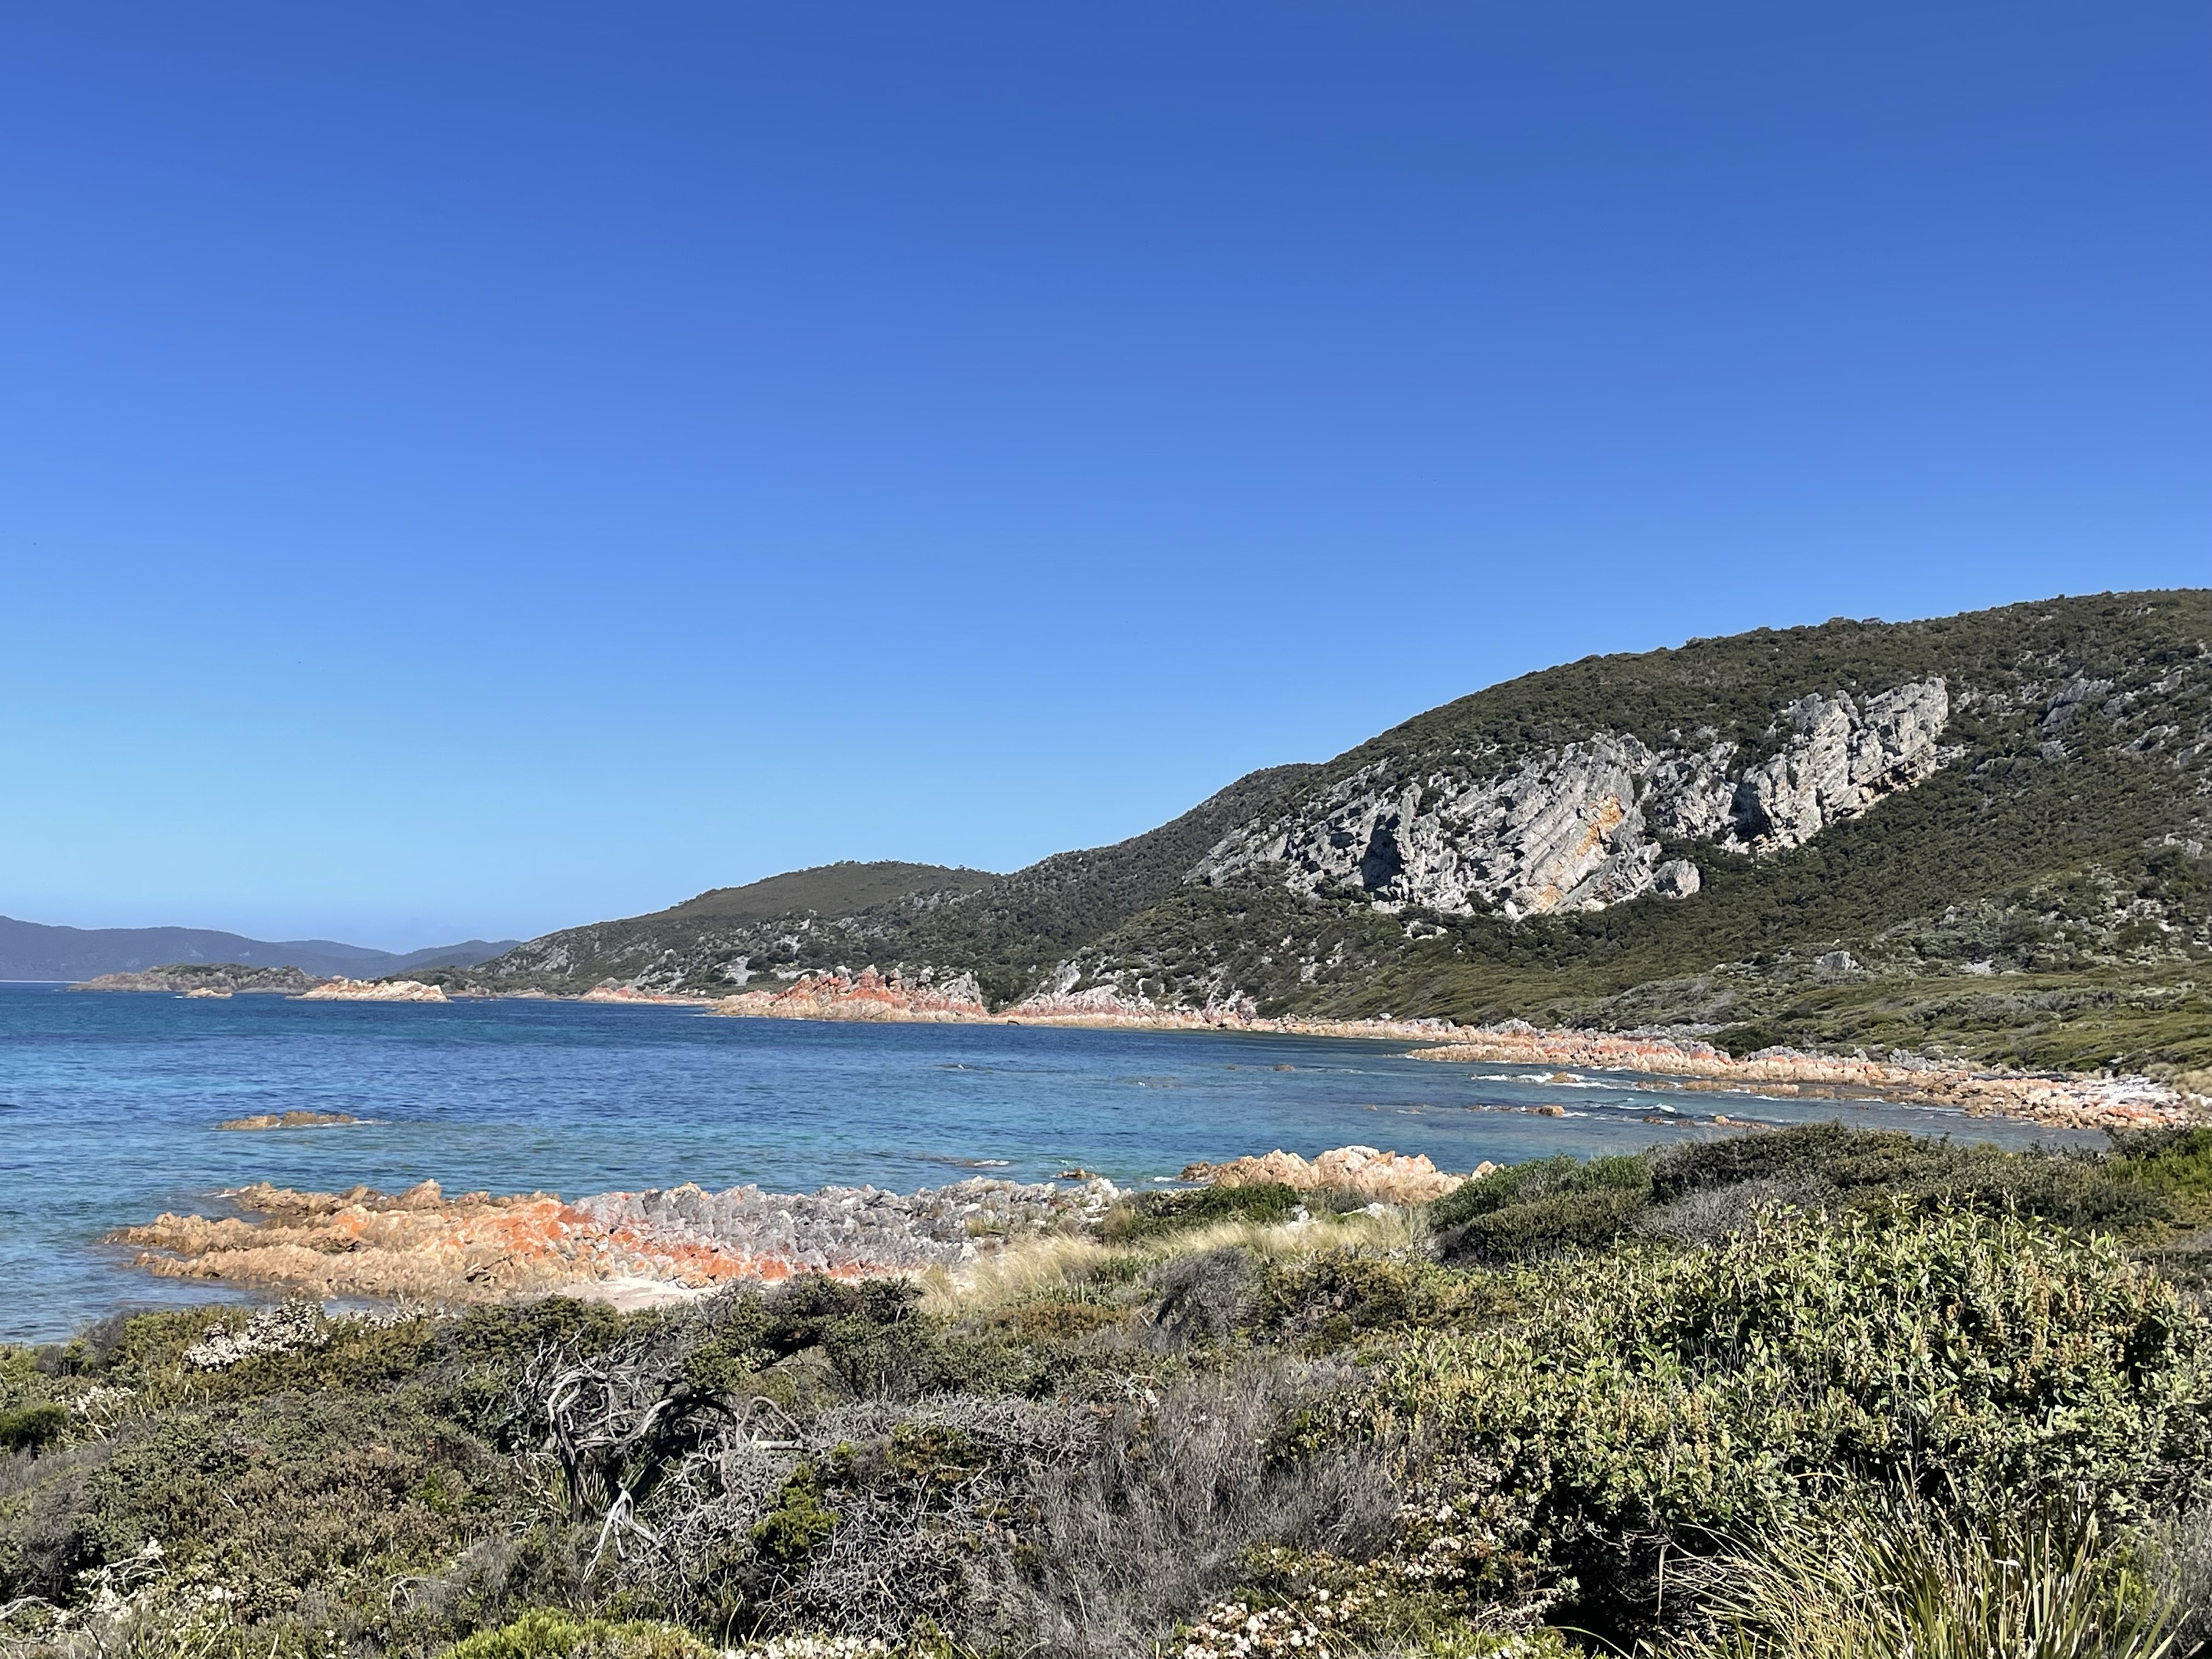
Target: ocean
[{"x": 109, "y": 1104}]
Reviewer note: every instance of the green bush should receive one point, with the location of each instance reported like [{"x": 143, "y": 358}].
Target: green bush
[
  {"x": 545, "y": 1634},
  {"x": 31, "y": 1428},
  {"x": 1547, "y": 1226},
  {"x": 1529, "y": 1210},
  {"x": 2176, "y": 1162},
  {"x": 1152, "y": 1215},
  {"x": 1672, "y": 1396},
  {"x": 1329, "y": 1299},
  {"x": 800, "y": 1520},
  {"x": 2077, "y": 1189},
  {"x": 1522, "y": 1183}
]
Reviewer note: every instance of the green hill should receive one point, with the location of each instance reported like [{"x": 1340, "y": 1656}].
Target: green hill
[{"x": 1982, "y": 833}]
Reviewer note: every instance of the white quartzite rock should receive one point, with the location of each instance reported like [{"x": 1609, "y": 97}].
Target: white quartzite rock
[
  {"x": 1844, "y": 758},
  {"x": 1578, "y": 827}
]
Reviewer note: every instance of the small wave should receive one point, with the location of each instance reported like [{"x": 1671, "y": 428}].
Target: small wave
[
  {"x": 968, "y": 1163},
  {"x": 1553, "y": 1080}
]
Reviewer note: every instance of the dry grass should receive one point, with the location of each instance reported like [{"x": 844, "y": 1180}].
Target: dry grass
[{"x": 1075, "y": 1269}]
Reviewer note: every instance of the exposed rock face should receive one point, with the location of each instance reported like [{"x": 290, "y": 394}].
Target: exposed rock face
[
  {"x": 207, "y": 979},
  {"x": 373, "y": 990},
  {"x": 477, "y": 1248},
  {"x": 2077, "y": 1102},
  {"x": 1580, "y": 827},
  {"x": 1844, "y": 758},
  {"x": 868, "y": 995}
]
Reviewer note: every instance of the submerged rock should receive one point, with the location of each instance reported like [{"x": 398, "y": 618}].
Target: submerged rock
[{"x": 292, "y": 1120}]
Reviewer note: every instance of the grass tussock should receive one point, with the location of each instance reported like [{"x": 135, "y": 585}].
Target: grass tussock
[{"x": 1895, "y": 1577}]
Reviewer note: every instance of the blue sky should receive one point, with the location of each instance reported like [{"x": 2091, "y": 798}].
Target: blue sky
[{"x": 467, "y": 470}]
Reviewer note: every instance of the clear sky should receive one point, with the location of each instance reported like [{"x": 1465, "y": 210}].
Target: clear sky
[{"x": 471, "y": 469}]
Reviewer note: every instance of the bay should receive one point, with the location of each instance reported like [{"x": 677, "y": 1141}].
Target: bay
[{"x": 109, "y": 1104}]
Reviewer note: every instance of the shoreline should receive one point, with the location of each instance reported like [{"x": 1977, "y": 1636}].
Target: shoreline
[
  {"x": 2057, "y": 1100},
  {"x": 633, "y": 1249}
]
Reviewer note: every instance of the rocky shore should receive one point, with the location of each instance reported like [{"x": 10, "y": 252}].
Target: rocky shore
[
  {"x": 204, "y": 980},
  {"x": 422, "y": 1246},
  {"x": 373, "y": 990},
  {"x": 2060, "y": 1100},
  {"x": 2063, "y": 1101},
  {"x": 870, "y": 995}
]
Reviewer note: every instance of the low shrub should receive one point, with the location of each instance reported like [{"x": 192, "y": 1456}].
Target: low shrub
[
  {"x": 1720, "y": 1390},
  {"x": 544, "y": 1633},
  {"x": 1713, "y": 1215},
  {"x": 1550, "y": 1226},
  {"x": 1523, "y": 1183},
  {"x": 1871, "y": 1169},
  {"x": 2176, "y": 1162},
  {"x": 269, "y": 1497},
  {"x": 1328, "y": 1300},
  {"x": 33, "y": 1428},
  {"x": 1150, "y": 1215},
  {"x": 1160, "y": 1517},
  {"x": 1203, "y": 1297},
  {"x": 800, "y": 1520},
  {"x": 1527, "y": 1211}
]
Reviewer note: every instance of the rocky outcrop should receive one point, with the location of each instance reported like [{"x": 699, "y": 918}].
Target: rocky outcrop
[
  {"x": 1581, "y": 826},
  {"x": 1842, "y": 757},
  {"x": 207, "y": 979},
  {"x": 373, "y": 990},
  {"x": 292, "y": 1120},
  {"x": 2072, "y": 1103},
  {"x": 850, "y": 1231},
  {"x": 421, "y": 1244},
  {"x": 868, "y": 995}
]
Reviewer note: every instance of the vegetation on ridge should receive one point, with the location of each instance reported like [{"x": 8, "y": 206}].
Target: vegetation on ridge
[
  {"x": 2045, "y": 899},
  {"x": 1811, "y": 1392}
]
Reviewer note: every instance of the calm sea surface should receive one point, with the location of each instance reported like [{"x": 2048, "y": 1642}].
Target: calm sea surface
[{"x": 108, "y": 1105}]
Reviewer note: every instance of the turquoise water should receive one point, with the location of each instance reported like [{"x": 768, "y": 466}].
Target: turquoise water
[{"x": 108, "y": 1105}]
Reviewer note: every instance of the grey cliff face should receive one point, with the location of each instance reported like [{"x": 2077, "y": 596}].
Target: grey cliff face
[
  {"x": 1580, "y": 827},
  {"x": 1843, "y": 757}
]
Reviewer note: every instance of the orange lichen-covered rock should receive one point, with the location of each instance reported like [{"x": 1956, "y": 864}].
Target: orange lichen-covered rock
[
  {"x": 868, "y": 995},
  {"x": 421, "y": 1245}
]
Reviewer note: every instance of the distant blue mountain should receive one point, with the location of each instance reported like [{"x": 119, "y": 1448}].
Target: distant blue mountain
[{"x": 30, "y": 950}]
